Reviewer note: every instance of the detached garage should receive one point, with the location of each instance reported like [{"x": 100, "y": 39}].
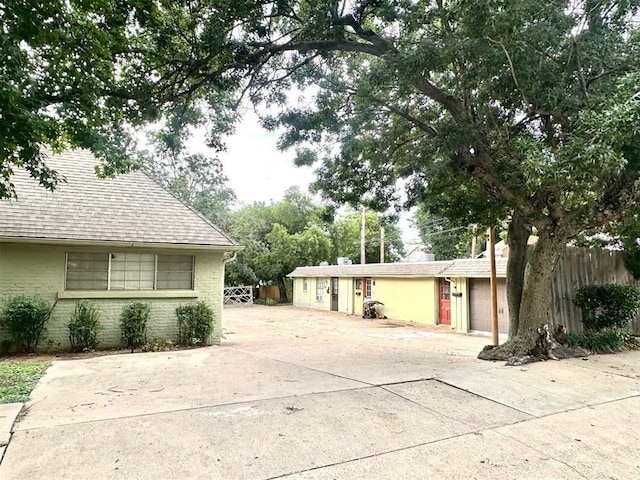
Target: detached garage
[
  {"x": 480, "y": 305},
  {"x": 453, "y": 292}
]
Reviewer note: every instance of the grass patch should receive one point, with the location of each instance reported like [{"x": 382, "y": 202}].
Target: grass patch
[{"x": 19, "y": 378}]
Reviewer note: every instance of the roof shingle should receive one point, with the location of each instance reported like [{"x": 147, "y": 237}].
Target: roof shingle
[
  {"x": 472, "y": 268},
  {"x": 129, "y": 208}
]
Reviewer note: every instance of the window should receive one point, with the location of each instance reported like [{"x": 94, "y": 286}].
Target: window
[
  {"x": 445, "y": 290},
  {"x": 87, "y": 271},
  {"x": 305, "y": 285},
  {"x": 128, "y": 271},
  {"x": 367, "y": 289},
  {"x": 319, "y": 290}
]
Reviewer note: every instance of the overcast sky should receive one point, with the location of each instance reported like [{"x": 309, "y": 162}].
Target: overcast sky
[{"x": 259, "y": 172}]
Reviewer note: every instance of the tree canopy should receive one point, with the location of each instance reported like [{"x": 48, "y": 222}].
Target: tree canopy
[
  {"x": 528, "y": 109},
  {"x": 296, "y": 232}
]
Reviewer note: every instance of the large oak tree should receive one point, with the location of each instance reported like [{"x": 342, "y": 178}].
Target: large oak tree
[{"x": 527, "y": 107}]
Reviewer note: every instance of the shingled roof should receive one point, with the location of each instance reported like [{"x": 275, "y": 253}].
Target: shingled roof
[
  {"x": 471, "y": 268},
  {"x": 131, "y": 208}
]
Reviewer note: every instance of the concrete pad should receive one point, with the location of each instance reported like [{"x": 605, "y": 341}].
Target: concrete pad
[
  {"x": 486, "y": 456},
  {"x": 374, "y": 364},
  {"x": 134, "y": 384},
  {"x": 254, "y": 440},
  {"x": 477, "y": 412},
  {"x": 597, "y": 442},
  {"x": 8, "y": 414},
  {"x": 625, "y": 364},
  {"x": 544, "y": 388}
]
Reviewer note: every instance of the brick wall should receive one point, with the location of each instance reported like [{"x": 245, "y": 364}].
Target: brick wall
[{"x": 38, "y": 270}]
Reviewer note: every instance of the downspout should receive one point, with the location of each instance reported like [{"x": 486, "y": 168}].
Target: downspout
[{"x": 232, "y": 258}]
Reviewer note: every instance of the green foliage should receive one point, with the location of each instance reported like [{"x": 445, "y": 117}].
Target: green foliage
[
  {"x": 195, "y": 323},
  {"x": 346, "y": 230},
  {"x": 24, "y": 318},
  {"x": 84, "y": 326},
  {"x": 270, "y": 302},
  {"x": 196, "y": 179},
  {"x": 605, "y": 341},
  {"x": 277, "y": 238},
  {"x": 442, "y": 237},
  {"x": 133, "y": 324},
  {"x": 607, "y": 306},
  {"x": 19, "y": 378},
  {"x": 493, "y": 107}
]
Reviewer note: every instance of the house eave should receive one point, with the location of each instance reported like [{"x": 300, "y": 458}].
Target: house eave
[{"x": 120, "y": 244}]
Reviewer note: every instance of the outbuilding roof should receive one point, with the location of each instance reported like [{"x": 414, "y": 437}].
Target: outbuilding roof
[
  {"x": 131, "y": 208},
  {"x": 471, "y": 268}
]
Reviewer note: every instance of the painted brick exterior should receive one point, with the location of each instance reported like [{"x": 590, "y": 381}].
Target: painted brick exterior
[{"x": 38, "y": 270}]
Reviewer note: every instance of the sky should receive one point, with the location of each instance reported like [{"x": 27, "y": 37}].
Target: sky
[{"x": 259, "y": 172}]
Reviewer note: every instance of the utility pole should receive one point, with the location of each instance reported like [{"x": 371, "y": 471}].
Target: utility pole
[
  {"x": 362, "y": 254},
  {"x": 474, "y": 241},
  {"x": 494, "y": 293},
  {"x": 381, "y": 244}
]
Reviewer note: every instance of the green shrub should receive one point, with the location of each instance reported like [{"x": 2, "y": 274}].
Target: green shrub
[
  {"x": 605, "y": 341},
  {"x": 84, "y": 326},
  {"x": 195, "y": 323},
  {"x": 133, "y": 324},
  {"x": 607, "y": 306},
  {"x": 270, "y": 302},
  {"x": 24, "y": 319}
]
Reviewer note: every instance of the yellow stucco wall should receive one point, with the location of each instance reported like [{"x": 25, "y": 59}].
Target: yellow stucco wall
[
  {"x": 38, "y": 270},
  {"x": 407, "y": 299},
  {"x": 460, "y": 305},
  {"x": 307, "y": 299},
  {"x": 345, "y": 295}
]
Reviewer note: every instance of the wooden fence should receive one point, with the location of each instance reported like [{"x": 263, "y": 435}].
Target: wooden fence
[{"x": 583, "y": 266}]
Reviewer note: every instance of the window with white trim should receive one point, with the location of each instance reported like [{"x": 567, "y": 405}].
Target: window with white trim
[
  {"x": 319, "y": 289},
  {"x": 305, "y": 285},
  {"x": 128, "y": 271}
]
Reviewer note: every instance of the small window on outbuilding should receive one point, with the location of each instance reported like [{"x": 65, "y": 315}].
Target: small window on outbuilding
[
  {"x": 305, "y": 285},
  {"x": 319, "y": 289}
]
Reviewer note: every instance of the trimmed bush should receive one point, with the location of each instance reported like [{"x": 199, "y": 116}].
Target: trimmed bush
[
  {"x": 195, "y": 323},
  {"x": 133, "y": 324},
  {"x": 24, "y": 318},
  {"x": 607, "y": 306},
  {"x": 84, "y": 326}
]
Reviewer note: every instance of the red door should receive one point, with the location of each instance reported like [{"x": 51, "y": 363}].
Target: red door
[{"x": 445, "y": 302}]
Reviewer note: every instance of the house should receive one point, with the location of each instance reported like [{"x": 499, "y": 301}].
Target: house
[
  {"x": 113, "y": 242},
  {"x": 450, "y": 292}
]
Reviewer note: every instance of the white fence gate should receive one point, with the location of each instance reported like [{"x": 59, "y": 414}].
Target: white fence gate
[{"x": 238, "y": 295}]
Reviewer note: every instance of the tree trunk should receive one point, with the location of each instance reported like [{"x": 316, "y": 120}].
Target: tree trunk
[
  {"x": 531, "y": 340},
  {"x": 538, "y": 279},
  {"x": 519, "y": 232},
  {"x": 283, "y": 290}
]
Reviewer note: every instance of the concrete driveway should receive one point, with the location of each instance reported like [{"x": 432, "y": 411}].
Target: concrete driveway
[{"x": 306, "y": 395}]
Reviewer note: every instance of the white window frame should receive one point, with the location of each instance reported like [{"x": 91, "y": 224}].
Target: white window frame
[
  {"x": 109, "y": 276},
  {"x": 320, "y": 286}
]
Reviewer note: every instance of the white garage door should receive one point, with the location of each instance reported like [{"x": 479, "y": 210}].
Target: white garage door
[{"x": 480, "y": 305}]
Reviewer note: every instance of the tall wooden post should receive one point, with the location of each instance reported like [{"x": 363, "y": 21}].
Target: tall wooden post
[
  {"x": 363, "y": 258},
  {"x": 381, "y": 244},
  {"x": 494, "y": 293}
]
